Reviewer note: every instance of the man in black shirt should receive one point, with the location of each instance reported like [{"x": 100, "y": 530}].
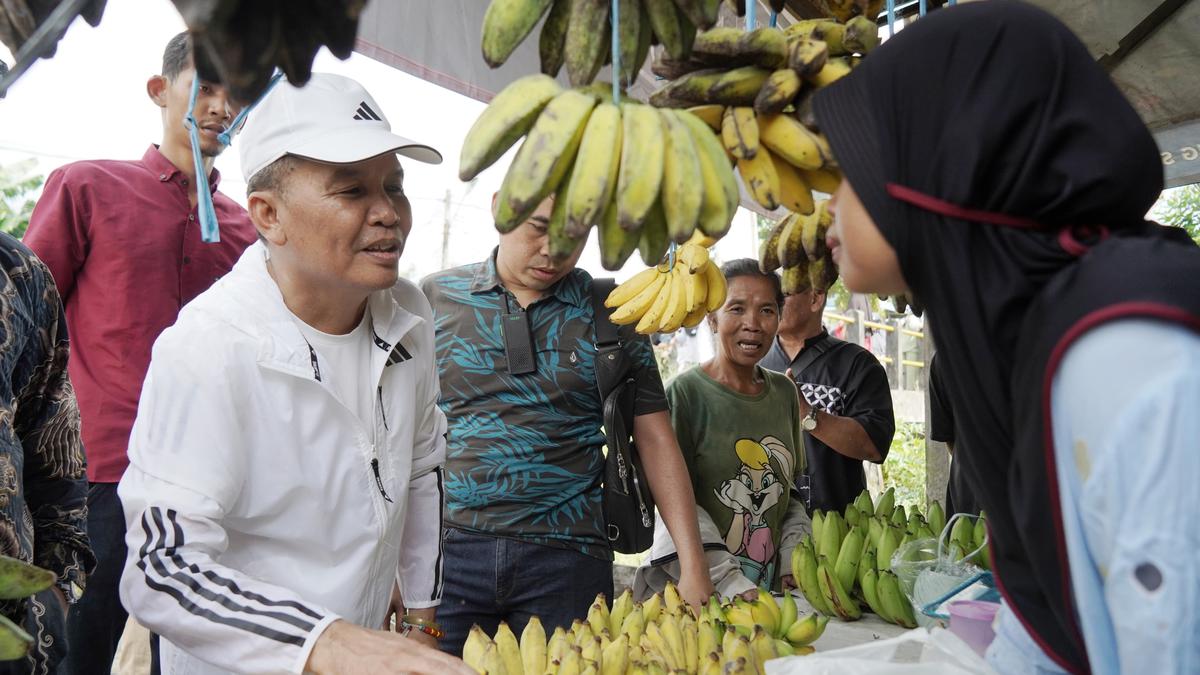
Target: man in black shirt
[
  {"x": 959, "y": 498},
  {"x": 844, "y": 399}
]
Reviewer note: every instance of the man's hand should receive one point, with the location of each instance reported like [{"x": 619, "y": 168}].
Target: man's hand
[
  {"x": 346, "y": 649},
  {"x": 789, "y": 582},
  {"x": 396, "y": 612}
]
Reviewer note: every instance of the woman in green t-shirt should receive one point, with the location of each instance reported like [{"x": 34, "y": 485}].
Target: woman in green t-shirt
[{"x": 739, "y": 428}]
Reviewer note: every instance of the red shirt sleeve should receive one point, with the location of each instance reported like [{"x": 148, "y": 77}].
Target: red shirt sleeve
[{"x": 58, "y": 230}]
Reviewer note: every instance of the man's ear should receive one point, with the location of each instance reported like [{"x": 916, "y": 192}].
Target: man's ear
[
  {"x": 263, "y": 207},
  {"x": 156, "y": 88},
  {"x": 818, "y": 299}
]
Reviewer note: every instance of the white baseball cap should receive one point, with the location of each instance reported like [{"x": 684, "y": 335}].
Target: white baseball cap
[{"x": 332, "y": 119}]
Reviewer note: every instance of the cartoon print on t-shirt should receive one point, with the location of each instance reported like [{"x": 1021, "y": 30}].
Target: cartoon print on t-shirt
[{"x": 761, "y": 481}]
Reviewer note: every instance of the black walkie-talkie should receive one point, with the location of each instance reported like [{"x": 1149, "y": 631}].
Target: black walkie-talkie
[{"x": 518, "y": 343}]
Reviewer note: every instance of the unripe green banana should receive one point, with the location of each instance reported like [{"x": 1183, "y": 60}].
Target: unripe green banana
[
  {"x": 506, "y": 24},
  {"x": 835, "y": 594}
]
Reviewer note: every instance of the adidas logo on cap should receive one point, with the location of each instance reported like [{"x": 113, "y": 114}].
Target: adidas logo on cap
[{"x": 365, "y": 113}]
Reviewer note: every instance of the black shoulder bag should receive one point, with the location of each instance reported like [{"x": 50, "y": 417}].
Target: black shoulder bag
[{"x": 628, "y": 504}]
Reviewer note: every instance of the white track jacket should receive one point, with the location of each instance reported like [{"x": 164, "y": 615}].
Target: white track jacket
[{"x": 259, "y": 508}]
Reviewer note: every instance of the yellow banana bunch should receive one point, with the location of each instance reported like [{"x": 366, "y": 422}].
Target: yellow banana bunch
[
  {"x": 797, "y": 245},
  {"x": 573, "y": 153},
  {"x": 663, "y": 299}
]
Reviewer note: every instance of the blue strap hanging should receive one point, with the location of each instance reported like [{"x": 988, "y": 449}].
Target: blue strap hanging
[
  {"x": 616, "y": 52},
  {"x": 751, "y": 14},
  {"x": 210, "y": 232},
  {"x": 774, "y": 19},
  {"x": 891, "y": 16}
]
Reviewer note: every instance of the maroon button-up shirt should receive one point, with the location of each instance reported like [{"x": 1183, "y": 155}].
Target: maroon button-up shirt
[{"x": 124, "y": 246}]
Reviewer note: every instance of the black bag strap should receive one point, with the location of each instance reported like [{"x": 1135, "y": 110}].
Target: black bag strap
[
  {"x": 809, "y": 355},
  {"x": 612, "y": 362}
]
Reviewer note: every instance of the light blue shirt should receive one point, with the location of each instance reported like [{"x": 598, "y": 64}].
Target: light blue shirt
[{"x": 1125, "y": 406}]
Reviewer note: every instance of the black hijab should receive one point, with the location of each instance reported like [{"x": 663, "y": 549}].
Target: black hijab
[{"x": 1012, "y": 178}]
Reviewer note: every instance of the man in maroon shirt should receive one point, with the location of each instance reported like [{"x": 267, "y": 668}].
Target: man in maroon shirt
[{"x": 122, "y": 239}]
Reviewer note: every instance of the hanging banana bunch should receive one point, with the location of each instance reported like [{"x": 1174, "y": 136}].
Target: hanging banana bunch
[
  {"x": 676, "y": 294},
  {"x": 797, "y": 245},
  {"x": 576, "y": 33},
  {"x": 574, "y": 149},
  {"x": 754, "y": 89}
]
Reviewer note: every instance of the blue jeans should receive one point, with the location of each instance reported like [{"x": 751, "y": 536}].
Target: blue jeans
[
  {"x": 492, "y": 579},
  {"x": 95, "y": 623}
]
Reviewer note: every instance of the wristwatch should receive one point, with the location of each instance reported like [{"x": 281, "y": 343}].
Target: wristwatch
[{"x": 809, "y": 421}]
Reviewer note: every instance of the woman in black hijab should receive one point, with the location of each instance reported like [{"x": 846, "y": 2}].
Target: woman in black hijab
[{"x": 995, "y": 172}]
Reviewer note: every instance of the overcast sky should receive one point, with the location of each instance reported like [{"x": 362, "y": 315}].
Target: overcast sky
[{"x": 89, "y": 102}]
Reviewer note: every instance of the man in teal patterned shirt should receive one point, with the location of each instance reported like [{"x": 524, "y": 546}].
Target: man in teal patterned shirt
[{"x": 525, "y": 531}]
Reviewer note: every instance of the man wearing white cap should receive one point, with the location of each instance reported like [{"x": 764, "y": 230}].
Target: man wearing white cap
[{"x": 284, "y": 492}]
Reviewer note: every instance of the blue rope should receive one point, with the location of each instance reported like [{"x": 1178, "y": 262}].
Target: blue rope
[
  {"x": 209, "y": 231},
  {"x": 922, "y": 7},
  {"x": 226, "y": 137},
  {"x": 751, "y": 14},
  {"x": 616, "y": 52},
  {"x": 774, "y": 19},
  {"x": 671, "y": 256},
  {"x": 891, "y": 14}
]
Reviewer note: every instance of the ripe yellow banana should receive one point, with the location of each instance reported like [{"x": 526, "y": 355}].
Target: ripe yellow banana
[
  {"x": 714, "y": 297},
  {"x": 790, "y": 249},
  {"x": 533, "y": 646},
  {"x": 762, "y": 647},
  {"x": 641, "y": 173},
  {"x": 509, "y": 117},
  {"x": 738, "y": 86},
  {"x": 794, "y": 192},
  {"x": 493, "y": 661},
  {"x": 694, "y": 257},
  {"x": 510, "y": 649},
  {"x": 615, "y": 659},
  {"x": 709, "y": 114},
  {"x": 632, "y": 311},
  {"x": 676, "y": 310},
  {"x": 768, "y": 251},
  {"x": 544, "y": 158},
  {"x": 787, "y": 613},
  {"x": 657, "y": 642},
  {"x": 616, "y": 244},
  {"x": 559, "y": 243},
  {"x": 473, "y": 649},
  {"x": 634, "y": 624},
  {"x": 592, "y": 649},
  {"x": 556, "y": 646},
  {"x": 697, "y": 298},
  {"x": 651, "y": 608},
  {"x": 760, "y": 179},
  {"x": 597, "y": 616},
  {"x": 720, "y": 196},
  {"x": 822, "y": 180},
  {"x": 795, "y": 279},
  {"x": 672, "y": 633},
  {"x": 835, "y": 69},
  {"x": 691, "y": 653},
  {"x": 505, "y": 25},
  {"x": 571, "y": 662},
  {"x": 815, "y": 228},
  {"x": 594, "y": 176},
  {"x": 807, "y": 56},
  {"x": 739, "y": 132},
  {"x": 825, "y": 30},
  {"x": 653, "y": 316},
  {"x": 793, "y": 142},
  {"x": 778, "y": 92},
  {"x": 681, "y": 175},
  {"x": 763, "y": 47},
  {"x": 623, "y": 293}
]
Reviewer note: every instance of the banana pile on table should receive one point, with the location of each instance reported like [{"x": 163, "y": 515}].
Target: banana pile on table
[
  {"x": 847, "y": 560},
  {"x": 797, "y": 244},
  {"x": 677, "y": 294},
  {"x": 645, "y": 177},
  {"x": 754, "y": 88},
  {"x": 661, "y": 635}
]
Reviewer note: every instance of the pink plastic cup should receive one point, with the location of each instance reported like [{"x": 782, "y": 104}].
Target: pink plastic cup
[{"x": 971, "y": 620}]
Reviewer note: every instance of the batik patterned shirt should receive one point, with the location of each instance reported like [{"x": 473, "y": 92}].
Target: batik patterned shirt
[
  {"x": 43, "y": 486},
  {"x": 524, "y": 453}
]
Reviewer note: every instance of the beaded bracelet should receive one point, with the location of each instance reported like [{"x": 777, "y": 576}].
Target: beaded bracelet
[{"x": 409, "y": 623}]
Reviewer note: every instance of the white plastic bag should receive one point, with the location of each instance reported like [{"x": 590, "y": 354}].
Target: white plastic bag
[
  {"x": 917, "y": 652},
  {"x": 927, "y": 572}
]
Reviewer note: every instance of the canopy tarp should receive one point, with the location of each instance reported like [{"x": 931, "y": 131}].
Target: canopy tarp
[{"x": 1151, "y": 46}]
